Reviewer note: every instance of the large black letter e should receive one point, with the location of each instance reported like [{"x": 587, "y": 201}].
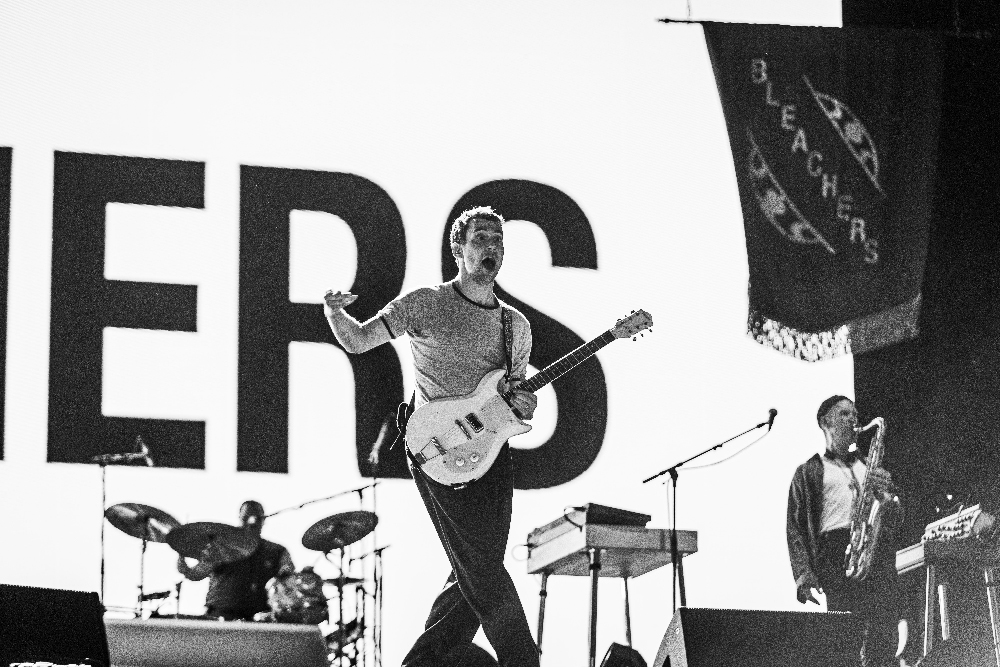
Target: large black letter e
[{"x": 84, "y": 303}]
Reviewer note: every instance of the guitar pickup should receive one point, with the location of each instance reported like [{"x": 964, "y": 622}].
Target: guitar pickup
[
  {"x": 461, "y": 427},
  {"x": 474, "y": 422}
]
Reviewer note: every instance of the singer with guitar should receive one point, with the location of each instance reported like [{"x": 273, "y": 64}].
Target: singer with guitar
[
  {"x": 460, "y": 332},
  {"x": 821, "y": 499}
]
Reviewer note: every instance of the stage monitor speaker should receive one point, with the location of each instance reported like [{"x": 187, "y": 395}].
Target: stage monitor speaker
[
  {"x": 185, "y": 643},
  {"x": 39, "y": 625},
  {"x": 619, "y": 655},
  {"x": 739, "y": 637}
]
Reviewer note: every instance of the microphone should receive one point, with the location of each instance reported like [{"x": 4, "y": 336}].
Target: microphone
[
  {"x": 772, "y": 413},
  {"x": 144, "y": 450},
  {"x": 125, "y": 457}
]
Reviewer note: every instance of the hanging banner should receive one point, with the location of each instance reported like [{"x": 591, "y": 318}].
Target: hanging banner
[{"x": 834, "y": 139}]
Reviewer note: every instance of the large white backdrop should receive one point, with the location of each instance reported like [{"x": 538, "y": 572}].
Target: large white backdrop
[{"x": 427, "y": 100}]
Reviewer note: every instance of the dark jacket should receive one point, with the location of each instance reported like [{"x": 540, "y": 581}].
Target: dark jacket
[{"x": 805, "y": 509}]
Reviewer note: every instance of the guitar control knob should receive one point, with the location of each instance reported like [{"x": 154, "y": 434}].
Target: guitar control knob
[{"x": 460, "y": 462}]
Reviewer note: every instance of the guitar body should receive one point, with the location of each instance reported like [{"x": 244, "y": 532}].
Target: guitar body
[{"x": 456, "y": 440}]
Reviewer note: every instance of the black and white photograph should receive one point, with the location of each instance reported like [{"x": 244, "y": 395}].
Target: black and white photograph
[{"x": 661, "y": 333}]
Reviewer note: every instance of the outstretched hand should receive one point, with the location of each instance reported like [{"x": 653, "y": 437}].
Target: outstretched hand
[{"x": 334, "y": 301}]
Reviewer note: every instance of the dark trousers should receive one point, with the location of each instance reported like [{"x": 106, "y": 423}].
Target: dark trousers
[
  {"x": 875, "y": 600},
  {"x": 473, "y": 524}
]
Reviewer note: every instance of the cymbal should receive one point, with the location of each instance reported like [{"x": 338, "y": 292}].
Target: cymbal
[
  {"x": 339, "y": 530},
  {"x": 141, "y": 521},
  {"x": 346, "y": 581},
  {"x": 215, "y": 543}
]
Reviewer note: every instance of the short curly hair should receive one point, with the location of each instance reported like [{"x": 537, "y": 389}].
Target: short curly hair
[
  {"x": 827, "y": 405},
  {"x": 461, "y": 223}
]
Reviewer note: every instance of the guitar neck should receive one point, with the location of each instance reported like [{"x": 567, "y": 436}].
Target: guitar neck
[{"x": 566, "y": 363}]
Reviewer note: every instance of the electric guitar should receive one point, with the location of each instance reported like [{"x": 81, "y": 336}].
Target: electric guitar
[{"x": 455, "y": 440}]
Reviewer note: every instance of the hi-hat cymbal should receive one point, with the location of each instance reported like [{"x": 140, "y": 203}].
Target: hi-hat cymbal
[
  {"x": 339, "y": 530},
  {"x": 141, "y": 521},
  {"x": 214, "y": 543}
]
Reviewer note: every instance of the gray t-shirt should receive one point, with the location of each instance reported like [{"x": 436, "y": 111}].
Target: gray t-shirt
[{"x": 455, "y": 341}]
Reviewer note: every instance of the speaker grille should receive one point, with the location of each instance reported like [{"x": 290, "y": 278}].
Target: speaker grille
[
  {"x": 50, "y": 625},
  {"x": 740, "y": 637}
]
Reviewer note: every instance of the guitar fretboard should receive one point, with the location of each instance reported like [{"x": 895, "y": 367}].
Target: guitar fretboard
[{"x": 564, "y": 364}]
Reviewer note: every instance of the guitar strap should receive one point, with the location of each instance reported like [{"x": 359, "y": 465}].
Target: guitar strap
[
  {"x": 508, "y": 337},
  {"x": 403, "y": 412}
]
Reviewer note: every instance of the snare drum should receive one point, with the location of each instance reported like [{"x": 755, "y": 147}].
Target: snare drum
[{"x": 297, "y": 597}]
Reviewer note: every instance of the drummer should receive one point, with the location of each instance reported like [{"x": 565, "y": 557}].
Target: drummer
[{"x": 237, "y": 590}]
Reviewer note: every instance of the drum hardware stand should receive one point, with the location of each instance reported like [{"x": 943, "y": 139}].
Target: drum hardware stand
[
  {"x": 339, "y": 655},
  {"x": 340, "y": 604},
  {"x": 358, "y": 491},
  {"x": 990, "y": 575},
  {"x": 336, "y": 533},
  {"x": 142, "y": 573},
  {"x": 104, "y": 502},
  {"x": 103, "y": 460},
  {"x": 142, "y": 570},
  {"x": 675, "y": 558},
  {"x": 377, "y": 607}
]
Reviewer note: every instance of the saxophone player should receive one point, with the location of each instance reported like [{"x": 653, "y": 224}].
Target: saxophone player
[{"x": 820, "y": 504}]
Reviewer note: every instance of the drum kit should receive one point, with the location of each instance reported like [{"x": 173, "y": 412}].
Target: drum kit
[{"x": 295, "y": 597}]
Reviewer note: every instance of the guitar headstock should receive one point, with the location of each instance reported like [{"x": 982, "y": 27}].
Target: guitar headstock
[{"x": 630, "y": 326}]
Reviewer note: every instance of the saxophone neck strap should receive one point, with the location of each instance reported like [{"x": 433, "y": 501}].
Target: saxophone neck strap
[{"x": 847, "y": 459}]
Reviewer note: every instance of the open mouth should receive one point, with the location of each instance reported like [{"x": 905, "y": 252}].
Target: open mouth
[{"x": 489, "y": 264}]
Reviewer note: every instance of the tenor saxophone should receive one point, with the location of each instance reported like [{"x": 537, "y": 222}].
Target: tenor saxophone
[{"x": 872, "y": 518}]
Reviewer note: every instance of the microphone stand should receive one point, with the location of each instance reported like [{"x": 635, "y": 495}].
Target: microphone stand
[
  {"x": 675, "y": 557},
  {"x": 104, "y": 460}
]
